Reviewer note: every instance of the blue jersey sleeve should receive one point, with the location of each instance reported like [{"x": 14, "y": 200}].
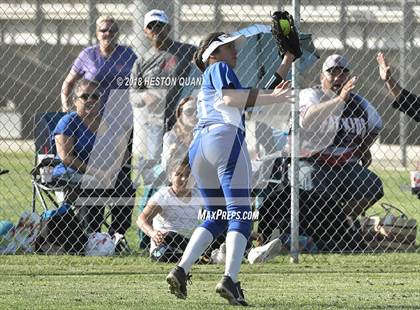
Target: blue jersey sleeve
[
  {"x": 223, "y": 77},
  {"x": 66, "y": 125}
]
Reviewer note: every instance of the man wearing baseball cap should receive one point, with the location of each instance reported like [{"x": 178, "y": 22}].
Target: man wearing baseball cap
[
  {"x": 157, "y": 28},
  {"x": 155, "y": 15},
  {"x": 168, "y": 59},
  {"x": 338, "y": 127},
  {"x": 335, "y": 61},
  {"x": 156, "y": 83}
]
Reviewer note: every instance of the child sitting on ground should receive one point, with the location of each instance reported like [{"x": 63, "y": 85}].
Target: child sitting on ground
[{"x": 171, "y": 215}]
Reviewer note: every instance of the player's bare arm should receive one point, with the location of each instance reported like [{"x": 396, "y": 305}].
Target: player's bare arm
[{"x": 253, "y": 97}]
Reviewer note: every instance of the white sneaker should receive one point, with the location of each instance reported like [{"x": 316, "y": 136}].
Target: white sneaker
[{"x": 266, "y": 252}]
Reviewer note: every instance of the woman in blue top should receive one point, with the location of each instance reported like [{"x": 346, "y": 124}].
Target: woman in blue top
[
  {"x": 75, "y": 136},
  {"x": 220, "y": 161}
]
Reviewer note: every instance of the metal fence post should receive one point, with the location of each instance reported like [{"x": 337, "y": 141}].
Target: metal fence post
[
  {"x": 405, "y": 28},
  {"x": 217, "y": 15},
  {"x": 92, "y": 20},
  {"x": 343, "y": 23},
  {"x": 294, "y": 249},
  {"x": 39, "y": 21},
  {"x": 176, "y": 20}
]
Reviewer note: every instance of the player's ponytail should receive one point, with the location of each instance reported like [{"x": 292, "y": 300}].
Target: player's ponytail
[{"x": 204, "y": 44}]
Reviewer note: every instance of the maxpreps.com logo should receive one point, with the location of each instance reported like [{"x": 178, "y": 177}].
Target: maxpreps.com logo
[{"x": 227, "y": 215}]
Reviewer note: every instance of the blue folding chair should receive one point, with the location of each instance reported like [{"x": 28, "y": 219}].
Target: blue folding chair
[{"x": 45, "y": 160}]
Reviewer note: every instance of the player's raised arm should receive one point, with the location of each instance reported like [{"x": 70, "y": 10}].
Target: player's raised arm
[{"x": 286, "y": 37}]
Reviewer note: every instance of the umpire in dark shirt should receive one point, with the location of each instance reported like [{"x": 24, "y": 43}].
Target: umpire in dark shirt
[{"x": 404, "y": 100}]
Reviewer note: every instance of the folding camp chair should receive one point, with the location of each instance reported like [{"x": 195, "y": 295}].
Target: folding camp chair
[
  {"x": 320, "y": 213},
  {"x": 49, "y": 192},
  {"x": 59, "y": 233},
  {"x": 42, "y": 187}
]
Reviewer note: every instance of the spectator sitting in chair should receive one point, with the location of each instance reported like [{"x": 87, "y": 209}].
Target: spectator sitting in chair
[
  {"x": 171, "y": 214},
  {"x": 75, "y": 137},
  {"x": 341, "y": 126},
  {"x": 177, "y": 141}
]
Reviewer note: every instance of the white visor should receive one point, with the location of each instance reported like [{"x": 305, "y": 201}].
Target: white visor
[{"x": 221, "y": 40}]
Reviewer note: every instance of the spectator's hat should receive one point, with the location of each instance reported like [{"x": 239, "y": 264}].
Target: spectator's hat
[
  {"x": 335, "y": 61},
  {"x": 221, "y": 40},
  {"x": 155, "y": 16}
]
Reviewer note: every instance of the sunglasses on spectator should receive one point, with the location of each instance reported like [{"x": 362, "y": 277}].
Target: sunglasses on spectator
[
  {"x": 88, "y": 96},
  {"x": 110, "y": 30},
  {"x": 337, "y": 71},
  {"x": 189, "y": 112}
]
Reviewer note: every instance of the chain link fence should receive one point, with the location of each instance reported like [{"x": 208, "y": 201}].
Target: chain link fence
[{"x": 90, "y": 157}]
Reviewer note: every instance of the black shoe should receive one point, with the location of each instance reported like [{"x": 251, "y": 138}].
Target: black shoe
[
  {"x": 231, "y": 291},
  {"x": 177, "y": 280}
]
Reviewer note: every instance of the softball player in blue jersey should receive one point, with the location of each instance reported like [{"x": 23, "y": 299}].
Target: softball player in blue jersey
[{"x": 220, "y": 161}]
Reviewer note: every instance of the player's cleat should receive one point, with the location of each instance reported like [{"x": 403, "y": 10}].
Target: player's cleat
[
  {"x": 177, "y": 280},
  {"x": 266, "y": 252},
  {"x": 231, "y": 291}
]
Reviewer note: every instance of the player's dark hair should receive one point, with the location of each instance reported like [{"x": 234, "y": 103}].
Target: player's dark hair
[{"x": 204, "y": 44}]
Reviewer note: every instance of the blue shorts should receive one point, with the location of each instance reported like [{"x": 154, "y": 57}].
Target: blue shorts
[{"x": 221, "y": 167}]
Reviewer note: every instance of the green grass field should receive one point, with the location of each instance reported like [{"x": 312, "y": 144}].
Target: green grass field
[
  {"x": 387, "y": 281},
  {"x": 318, "y": 282}
]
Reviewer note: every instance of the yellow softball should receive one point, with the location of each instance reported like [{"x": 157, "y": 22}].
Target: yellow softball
[{"x": 285, "y": 26}]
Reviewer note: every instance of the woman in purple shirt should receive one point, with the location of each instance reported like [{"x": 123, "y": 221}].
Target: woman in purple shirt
[{"x": 106, "y": 62}]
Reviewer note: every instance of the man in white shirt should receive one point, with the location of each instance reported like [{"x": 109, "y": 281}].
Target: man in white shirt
[{"x": 338, "y": 128}]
